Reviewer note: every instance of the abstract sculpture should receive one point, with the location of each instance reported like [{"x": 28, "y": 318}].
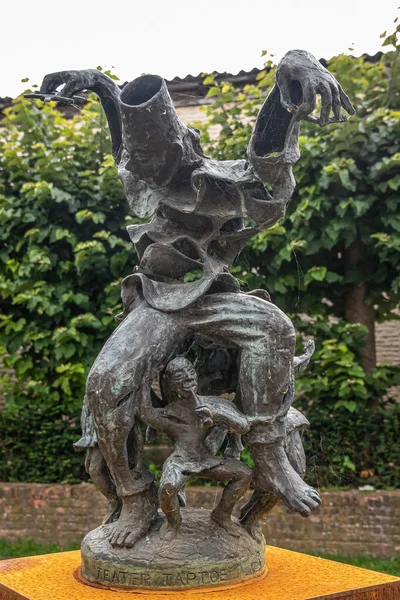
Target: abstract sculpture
[{"x": 203, "y": 214}]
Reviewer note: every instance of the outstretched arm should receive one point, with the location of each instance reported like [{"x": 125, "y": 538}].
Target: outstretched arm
[
  {"x": 155, "y": 417},
  {"x": 150, "y": 144},
  {"x": 273, "y": 148},
  {"x": 94, "y": 81},
  {"x": 233, "y": 420},
  {"x": 222, "y": 412}
]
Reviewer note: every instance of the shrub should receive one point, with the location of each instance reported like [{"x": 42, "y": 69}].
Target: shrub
[{"x": 355, "y": 424}]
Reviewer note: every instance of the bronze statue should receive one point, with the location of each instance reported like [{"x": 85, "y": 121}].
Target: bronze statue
[
  {"x": 189, "y": 420},
  {"x": 203, "y": 213}
]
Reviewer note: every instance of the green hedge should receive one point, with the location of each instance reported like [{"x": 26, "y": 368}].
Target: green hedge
[
  {"x": 355, "y": 424},
  {"x": 37, "y": 446}
]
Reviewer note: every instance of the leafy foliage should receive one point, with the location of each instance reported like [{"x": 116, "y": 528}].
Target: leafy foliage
[
  {"x": 36, "y": 445},
  {"x": 64, "y": 251},
  {"x": 355, "y": 424}
]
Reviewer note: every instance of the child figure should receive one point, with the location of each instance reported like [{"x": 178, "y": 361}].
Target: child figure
[{"x": 189, "y": 419}]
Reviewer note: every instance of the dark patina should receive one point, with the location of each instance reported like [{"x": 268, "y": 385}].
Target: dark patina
[{"x": 203, "y": 212}]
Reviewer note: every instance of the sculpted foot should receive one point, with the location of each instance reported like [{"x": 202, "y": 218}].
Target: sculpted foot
[
  {"x": 122, "y": 536},
  {"x": 276, "y": 475},
  {"x": 225, "y": 522},
  {"x": 132, "y": 523},
  {"x": 125, "y": 534},
  {"x": 168, "y": 533}
]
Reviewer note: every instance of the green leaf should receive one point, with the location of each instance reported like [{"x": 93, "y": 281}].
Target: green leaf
[
  {"x": 213, "y": 91},
  {"x": 346, "y": 181}
]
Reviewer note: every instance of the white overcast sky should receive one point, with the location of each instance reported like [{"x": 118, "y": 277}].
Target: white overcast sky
[{"x": 177, "y": 37}]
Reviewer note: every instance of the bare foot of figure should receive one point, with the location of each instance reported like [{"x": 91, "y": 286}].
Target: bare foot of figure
[
  {"x": 136, "y": 516},
  {"x": 167, "y": 532},
  {"x": 274, "y": 474},
  {"x": 225, "y": 522},
  {"x": 114, "y": 510},
  {"x": 253, "y": 529}
]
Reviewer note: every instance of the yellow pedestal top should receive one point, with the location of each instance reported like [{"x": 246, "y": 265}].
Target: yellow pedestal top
[{"x": 291, "y": 576}]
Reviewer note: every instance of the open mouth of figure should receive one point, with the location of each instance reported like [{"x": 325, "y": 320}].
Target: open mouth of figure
[{"x": 189, "y": 385}]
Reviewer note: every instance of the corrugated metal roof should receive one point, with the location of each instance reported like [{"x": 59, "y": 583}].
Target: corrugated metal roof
[{"x": 190, "y": 89}]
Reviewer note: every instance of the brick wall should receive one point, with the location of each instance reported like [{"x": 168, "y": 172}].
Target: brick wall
[{"x": 349, "y": 523}]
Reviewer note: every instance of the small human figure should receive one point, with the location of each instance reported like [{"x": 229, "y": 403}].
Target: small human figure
[{"x": 189, "y": 419}]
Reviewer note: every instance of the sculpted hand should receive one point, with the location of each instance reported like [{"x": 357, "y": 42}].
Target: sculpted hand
[
  {"x": 76, "y": 81},
  {"x": 91, "y": 80},
  {"x": 206, "y": 414},
  {"x": 72, "y": 80},
  {"x": 300, "y": 68}
]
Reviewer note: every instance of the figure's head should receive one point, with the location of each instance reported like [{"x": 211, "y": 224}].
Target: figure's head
[{"x": 181, "y": 377}]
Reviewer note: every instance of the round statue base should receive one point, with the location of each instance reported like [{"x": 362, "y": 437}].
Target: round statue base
[{"x": 202, "y": 554}]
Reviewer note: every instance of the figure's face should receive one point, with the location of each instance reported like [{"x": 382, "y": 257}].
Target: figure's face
[{"x": 184, "y": 381}]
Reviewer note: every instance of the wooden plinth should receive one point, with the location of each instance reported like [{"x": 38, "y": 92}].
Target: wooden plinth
[{"x": 291, "y": 576}]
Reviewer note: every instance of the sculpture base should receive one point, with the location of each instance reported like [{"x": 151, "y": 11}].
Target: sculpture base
[{"x": 201, "y": 554}]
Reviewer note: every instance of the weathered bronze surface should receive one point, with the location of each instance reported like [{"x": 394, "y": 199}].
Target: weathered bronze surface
[
  {"x": 192, "y": 560},
  {"x": 202, "y": 212}
]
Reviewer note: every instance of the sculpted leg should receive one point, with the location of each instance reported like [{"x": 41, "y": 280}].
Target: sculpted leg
[
  {"x": 97, "y": 468},
  {"x": 275, "y": 473},
  {"x": 172, "y": 481},
  {"x": 239, "y": 477},
  {"x": 134, "y": 487},
  {"x": 266, "y": 371},
  {"x": 128, "y": 363},
  {"x": 259, "y": 505},
  {"x": 266, "y": 339}
]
